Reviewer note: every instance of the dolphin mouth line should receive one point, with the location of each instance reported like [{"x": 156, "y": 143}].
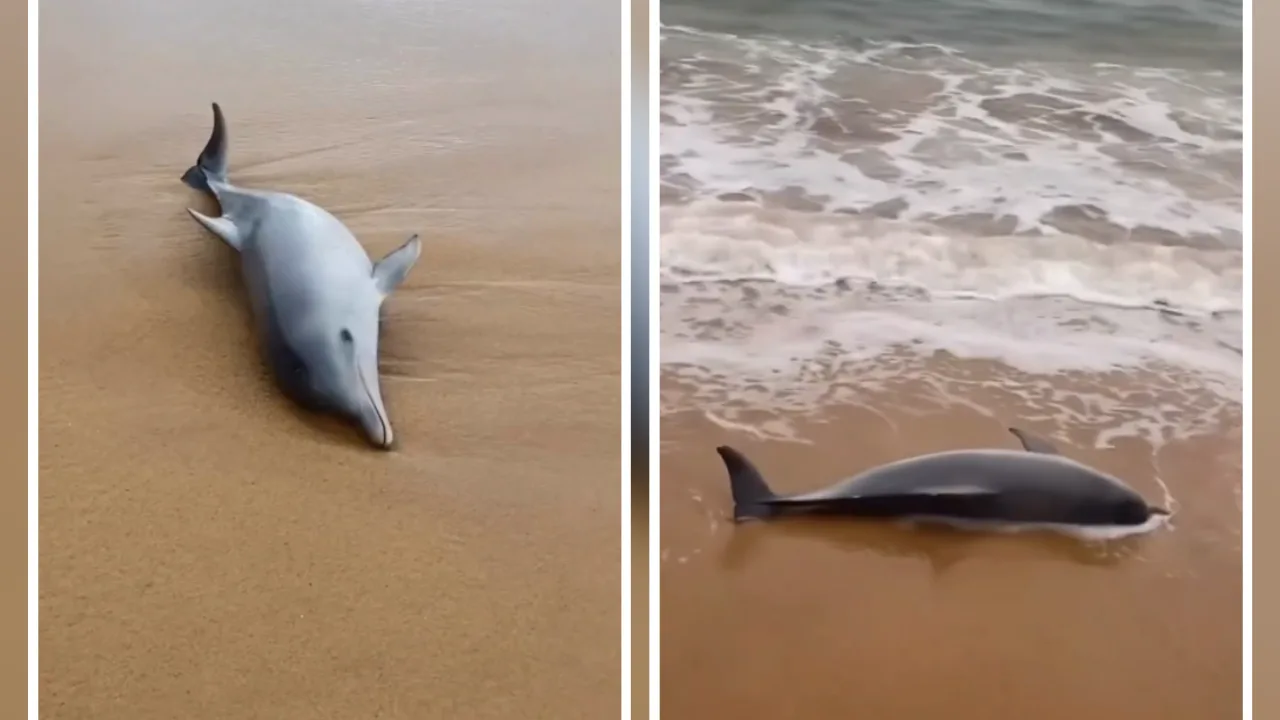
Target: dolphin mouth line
[{"x": 374, "y": 404}]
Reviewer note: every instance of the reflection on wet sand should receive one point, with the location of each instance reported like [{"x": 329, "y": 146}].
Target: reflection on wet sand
[{"x": 941, "y": 547}]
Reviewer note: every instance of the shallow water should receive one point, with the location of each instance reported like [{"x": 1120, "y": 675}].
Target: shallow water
[{"x": 1206, "y": 33}]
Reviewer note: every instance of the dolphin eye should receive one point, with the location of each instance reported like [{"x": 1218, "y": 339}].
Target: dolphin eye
[{"x": 345, "y": 336}]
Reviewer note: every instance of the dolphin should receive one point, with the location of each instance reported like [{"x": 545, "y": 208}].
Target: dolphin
[
  {"x": 314, "y": 292},
  {"x": 1036, "y": 486}
]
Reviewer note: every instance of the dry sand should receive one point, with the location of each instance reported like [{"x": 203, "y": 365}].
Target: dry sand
[
  {"x": 208, "y": 551},
  {"x": 811, "y": 618}
]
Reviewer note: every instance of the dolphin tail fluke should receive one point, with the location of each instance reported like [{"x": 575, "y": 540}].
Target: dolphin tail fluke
[
  {"x": 212, "y": 163},
  {"x": 752, "y": 498}
]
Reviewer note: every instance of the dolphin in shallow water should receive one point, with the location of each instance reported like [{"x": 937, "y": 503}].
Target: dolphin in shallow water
[
  {"x": 1036, "y": 486},
  {"x": 314, "y": 292}
]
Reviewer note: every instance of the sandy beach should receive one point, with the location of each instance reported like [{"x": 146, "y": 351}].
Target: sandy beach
[
  {"x": 207, "y": 550},
  {"x": 811, "y": 618}
]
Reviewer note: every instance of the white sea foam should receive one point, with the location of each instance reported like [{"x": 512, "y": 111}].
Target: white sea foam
[
  {"x": 938, "y": 134},
  {"x": 735, "y": 349},
  {"x": 712, "y": 240},
  {"x": 839, "y": 223},
  {"x": 834, "y": 218}
]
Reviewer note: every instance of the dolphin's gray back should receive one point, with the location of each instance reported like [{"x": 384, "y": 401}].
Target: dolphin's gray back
[
  {"x": 295, "y": 254},
  {"x": 287, "y": 224},
  {"x": 995, "y": 471}
]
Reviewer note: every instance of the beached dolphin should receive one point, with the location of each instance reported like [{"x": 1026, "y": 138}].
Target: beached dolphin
[
  {"x": 1035, "y": 487},
  {"x": 314, "y": 292}
]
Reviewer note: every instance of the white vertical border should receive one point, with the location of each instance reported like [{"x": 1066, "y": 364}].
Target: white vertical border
[
  {"x": 624, "y": 388},
  {"x": 655, "y": 359},
  {"x": 33, "y": 361},
  {"x": 1247, "y": 502}
]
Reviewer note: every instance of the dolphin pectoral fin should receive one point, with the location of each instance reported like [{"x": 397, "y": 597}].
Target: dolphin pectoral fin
[
  {"x": 1033, "y": 443},
  {"x": 220, "y": 226},
  {"x": 391, "y": 270}
]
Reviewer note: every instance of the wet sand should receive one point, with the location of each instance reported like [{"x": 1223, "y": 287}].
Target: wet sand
[
  {"x": 206, "y": 550},
  {"x": 812, "y": 618}
]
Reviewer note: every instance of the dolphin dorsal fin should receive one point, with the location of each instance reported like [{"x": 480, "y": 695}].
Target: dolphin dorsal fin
[
  {"x": 391, "y": 270},
  {"x": 1033, "y": 443}
]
